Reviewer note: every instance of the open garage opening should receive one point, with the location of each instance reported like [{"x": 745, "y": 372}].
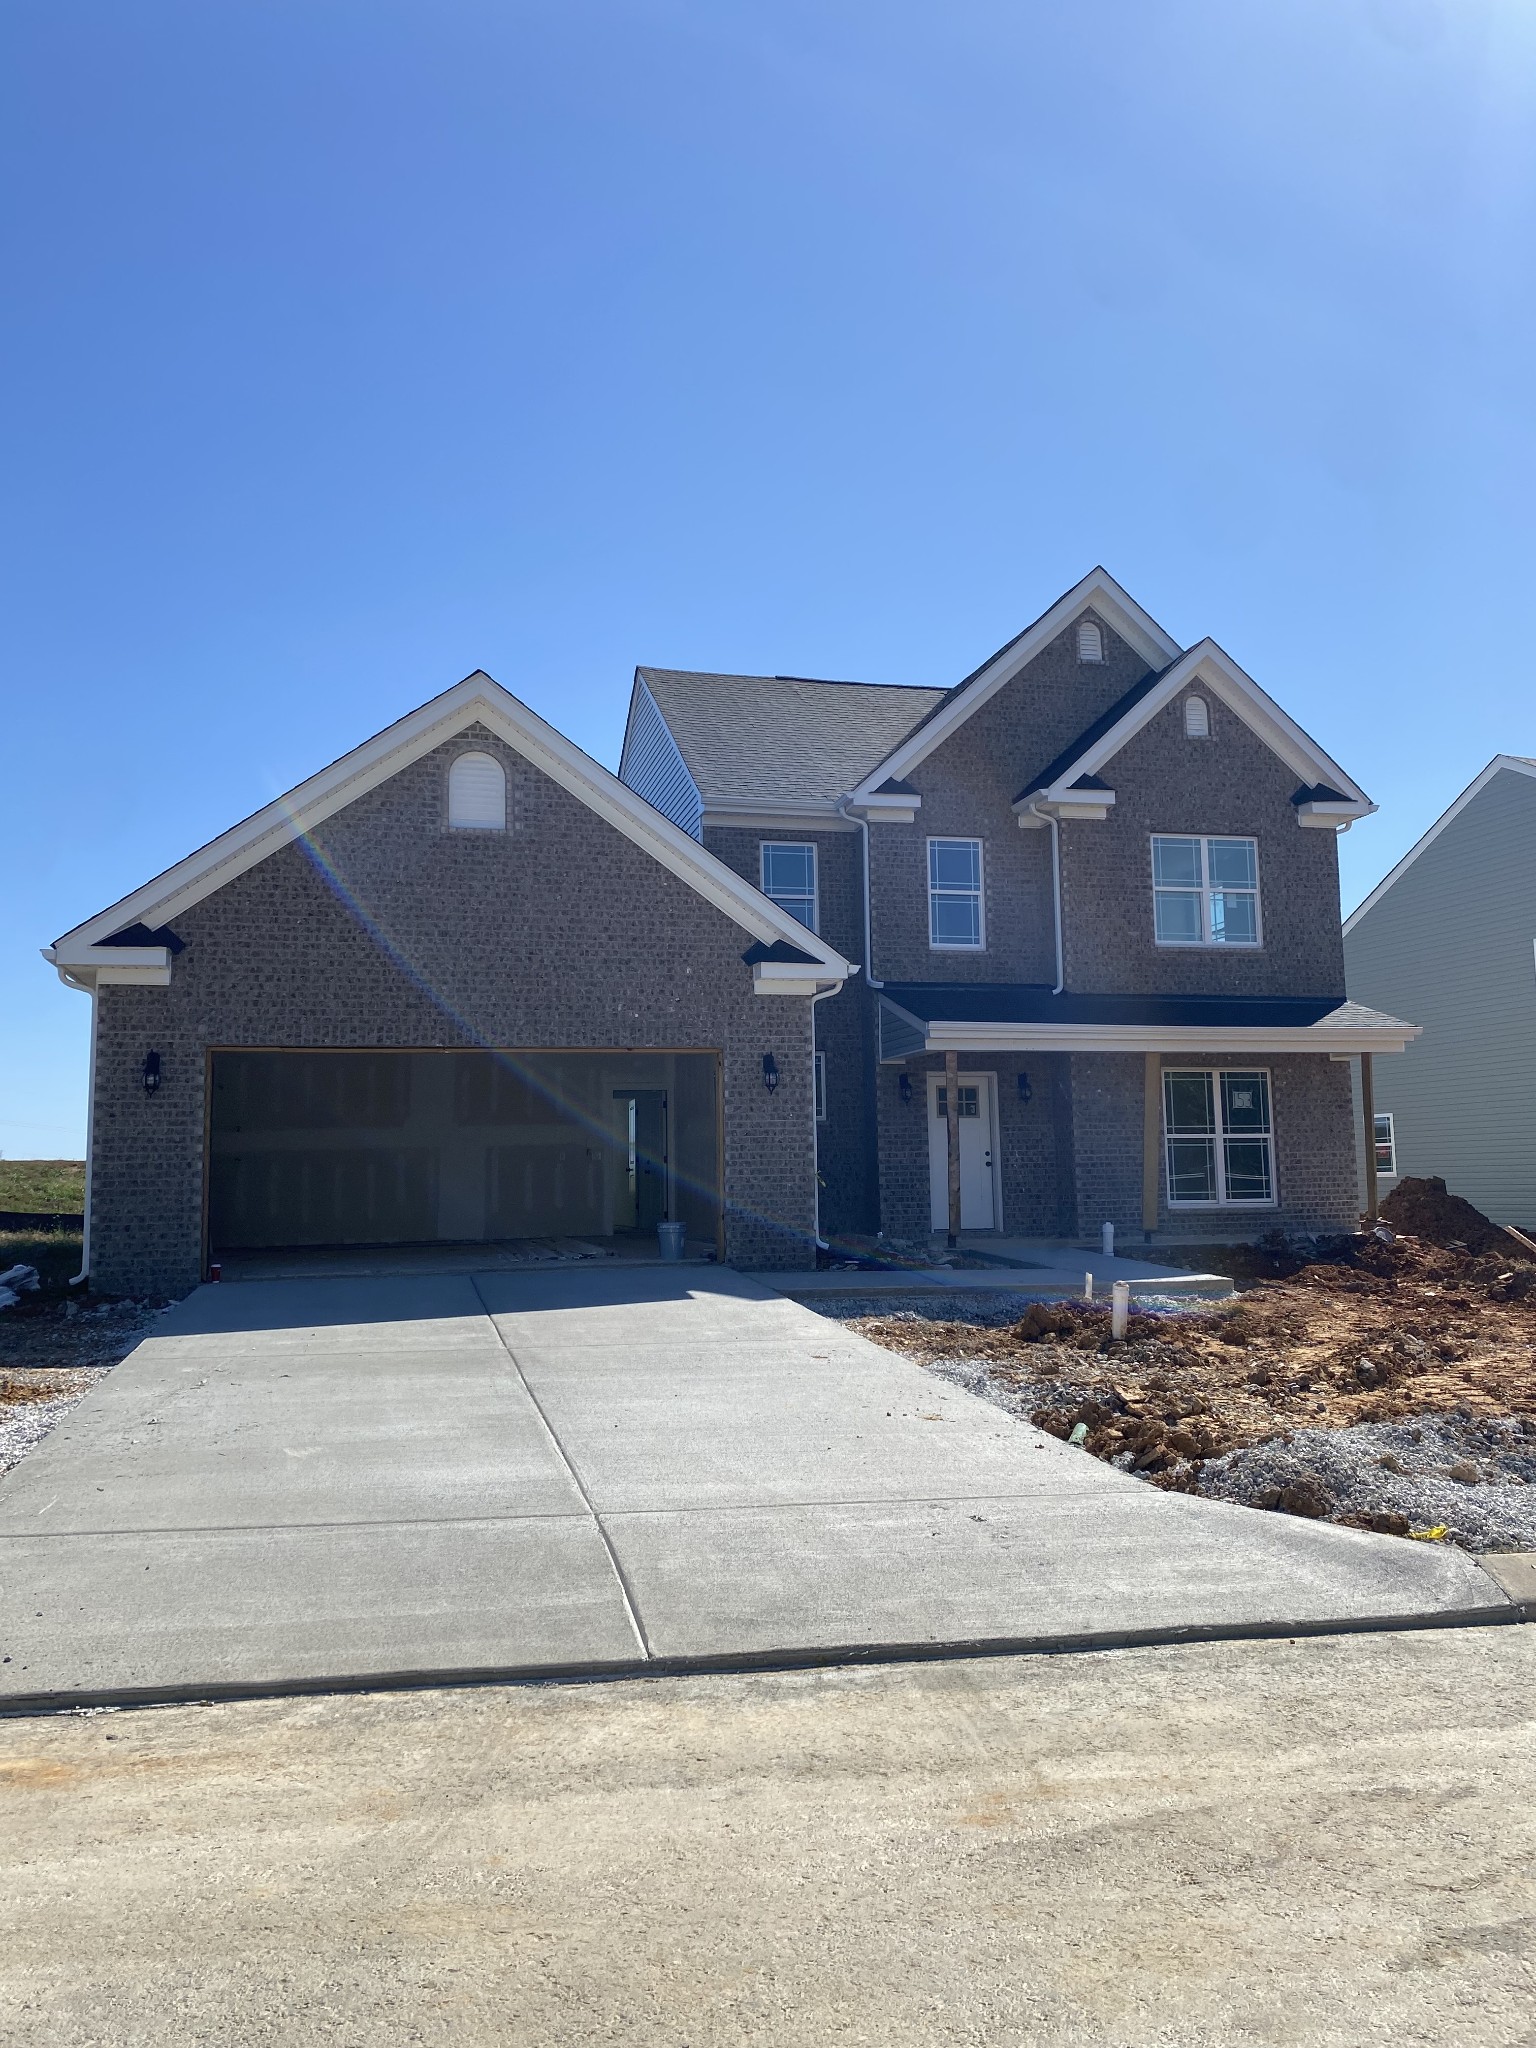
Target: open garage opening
[{"x": 371, "y": 1148}]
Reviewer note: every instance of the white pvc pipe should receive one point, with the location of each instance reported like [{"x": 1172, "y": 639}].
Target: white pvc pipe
[{"x": 1119, "y": 1307}]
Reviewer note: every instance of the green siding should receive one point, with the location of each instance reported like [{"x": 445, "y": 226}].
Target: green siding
[{"x": 1452, "y": 946}]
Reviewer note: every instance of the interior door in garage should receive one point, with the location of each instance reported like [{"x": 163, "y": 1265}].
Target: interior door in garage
[{"x": 372, "y": 1147}]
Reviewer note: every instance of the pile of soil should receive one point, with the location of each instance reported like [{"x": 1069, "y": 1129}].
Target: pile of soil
[
  {"x": 1427, "y": 1209},
  {"x": 1390, "y": 1330}
]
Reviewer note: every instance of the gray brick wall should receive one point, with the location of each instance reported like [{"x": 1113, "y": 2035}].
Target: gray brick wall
[
  {"x": 1072, "y": 1156},
  {"x": 1229, "y": 783},
  {"x": 1314, "y": 1149},
  {"x": 845, "y": 1148},
  {"x": 1036, "y": 1145},
  {"x": 968, "y": 786},
  {"x": 390, "y": 931}
]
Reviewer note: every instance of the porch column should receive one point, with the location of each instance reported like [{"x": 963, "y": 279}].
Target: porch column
[
  {"x": 1151, "y": 1139},
  {"x": 952, "y": 1132},
  {"x": 1368, "y": 1118}
]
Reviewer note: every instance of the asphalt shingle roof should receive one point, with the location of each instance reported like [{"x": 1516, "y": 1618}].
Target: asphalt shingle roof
[
  {"x": 768, "y": 739},
  {"x": 1035, "y": 1003},
  {"x": 1090, "y": 736}
]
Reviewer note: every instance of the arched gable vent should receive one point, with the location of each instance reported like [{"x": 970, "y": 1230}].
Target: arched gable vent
[
  {"x": 477, "y": 794},
  {"x": 1197, "y": 718},
  {"x": 1090, "y": 640}
]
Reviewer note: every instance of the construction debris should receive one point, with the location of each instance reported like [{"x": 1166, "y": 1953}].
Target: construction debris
[
  {"x": 1253, "y": 1399},
  {"x": 15, "y": 1282}
]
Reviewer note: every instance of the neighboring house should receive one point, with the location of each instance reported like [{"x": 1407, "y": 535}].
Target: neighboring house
[
  {"x": 1101, "y": 873},
  {"x": 1449, "y": 938},
  {"x": 461, "y": 985},
  {"x": 466, "y": 985}
]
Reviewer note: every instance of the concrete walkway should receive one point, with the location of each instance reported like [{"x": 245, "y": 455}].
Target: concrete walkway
[{"x": 578, "y": 1470}]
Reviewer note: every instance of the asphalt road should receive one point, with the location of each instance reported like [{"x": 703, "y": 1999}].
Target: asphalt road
[
  {"x": 1322, "y": 1842},
  {"x": 588, "y": 1469}
]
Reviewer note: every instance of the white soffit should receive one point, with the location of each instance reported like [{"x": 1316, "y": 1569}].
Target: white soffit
[
  {"x": 476, "y": 700},
  {"x": 1515, "y": 764},
  {"x": 1098, "y": 592}
]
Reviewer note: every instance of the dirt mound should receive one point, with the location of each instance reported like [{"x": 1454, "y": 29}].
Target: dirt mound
[
  {"x": 1390, "y": 1329},
  {"x": 1427, "y": 1208}
]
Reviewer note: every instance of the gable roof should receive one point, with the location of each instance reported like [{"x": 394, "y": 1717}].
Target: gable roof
[
  {"x": 1099, "y": 593},
  {"x": 128, "y": 938},
  {"x": 755, "y": 742},
  {"x": 1324, "y": 781},
  {"x": 1516, "y": 764}
]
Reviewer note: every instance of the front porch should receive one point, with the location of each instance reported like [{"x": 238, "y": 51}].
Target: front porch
[{"x": 1014, "y": 1113}]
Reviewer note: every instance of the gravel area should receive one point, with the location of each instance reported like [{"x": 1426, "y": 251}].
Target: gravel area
[
  {"x": 1473, "y": 1477},
  {"x": 52, "y": 1353},
  {"x": 48, "y": 1399}
]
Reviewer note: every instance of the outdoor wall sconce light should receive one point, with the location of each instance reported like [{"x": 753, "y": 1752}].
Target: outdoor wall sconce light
[
  {"x": 770, "y": 1072},
  {"x": 905, "y": 1086},
  {"x": 1025, "y": 1091},
  {"x": 151, "y": 1074}
]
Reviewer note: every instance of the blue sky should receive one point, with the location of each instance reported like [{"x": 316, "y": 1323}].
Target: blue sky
[{"x": 350, "y": 347}]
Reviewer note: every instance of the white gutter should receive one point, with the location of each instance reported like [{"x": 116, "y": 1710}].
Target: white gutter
[
  {"x": 1049, "y": 819},
  {"x": 1043, "y": 1037}
]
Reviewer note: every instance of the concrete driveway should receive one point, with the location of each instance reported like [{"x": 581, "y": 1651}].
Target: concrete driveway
[{"x": 577, "y": 1470}]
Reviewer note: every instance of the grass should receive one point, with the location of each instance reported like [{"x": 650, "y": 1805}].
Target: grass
[{"x": 56, "y": 1186}]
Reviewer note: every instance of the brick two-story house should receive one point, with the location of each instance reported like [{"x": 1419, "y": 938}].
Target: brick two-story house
[
  {"x": 465, "y": 985},
  {"x": 1100, "y": 875}
]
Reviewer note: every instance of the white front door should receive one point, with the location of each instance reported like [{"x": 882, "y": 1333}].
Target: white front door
[{"x": 977, "y": 1208}]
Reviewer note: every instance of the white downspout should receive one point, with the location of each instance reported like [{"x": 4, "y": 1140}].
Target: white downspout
[
  {"x": 84, "y": 1274},
  {"x": 1046, "y": 818},
  {"x": 869, "y": 947},
  {"x": 821, "y": 1243}
]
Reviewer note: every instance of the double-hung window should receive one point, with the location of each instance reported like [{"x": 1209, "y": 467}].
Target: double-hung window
[
  {"x": 789, "y": 877},
  {"x": 1205, "y": 892},
  {"x": 955, "y": 920},
  {"x": 1218, "y": 1138},
  {"x": 1384, "y": 1137}
]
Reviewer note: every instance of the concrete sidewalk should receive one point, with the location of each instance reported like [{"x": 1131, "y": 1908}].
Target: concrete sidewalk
[{"x": 585, "y": 1470}]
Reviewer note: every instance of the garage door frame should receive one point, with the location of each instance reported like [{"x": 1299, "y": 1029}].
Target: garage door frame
[{"x": 211, "y": 1052}]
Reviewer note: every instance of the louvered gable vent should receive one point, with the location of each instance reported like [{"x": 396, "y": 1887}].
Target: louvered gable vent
[{"x": 477, "y": 794}]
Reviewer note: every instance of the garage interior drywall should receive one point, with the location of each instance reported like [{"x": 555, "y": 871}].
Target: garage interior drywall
[{"x": 383, "y": 1147}]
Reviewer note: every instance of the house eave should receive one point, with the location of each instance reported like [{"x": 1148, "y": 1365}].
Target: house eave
[
  {"x": 781, "y": 978},
  {"x": 478, "y": 699},
  {"x": 960, "y": 1036}
]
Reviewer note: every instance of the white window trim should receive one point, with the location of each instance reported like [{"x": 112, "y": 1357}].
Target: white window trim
[
  {"x": 1384, "y": 1116},
  {"x": 819, "y": 1085},
  {"x": 800, "y": 846},
  {"x": 1222, "y": 1201},
  {"x": 1206, "y": 944},
  {"x": 950, "y": 945}
]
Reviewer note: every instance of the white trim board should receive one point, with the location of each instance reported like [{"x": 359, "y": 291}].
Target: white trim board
[
  {"x": 1098, "y": 592},
  {"x": 1517, "y": 764},
  {"x": 965, "y": 1035},
  {"x": 1320, "y": 1038},
  {"x": 1209, "y": 665},
  {"x": 476, "y": 700}
]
